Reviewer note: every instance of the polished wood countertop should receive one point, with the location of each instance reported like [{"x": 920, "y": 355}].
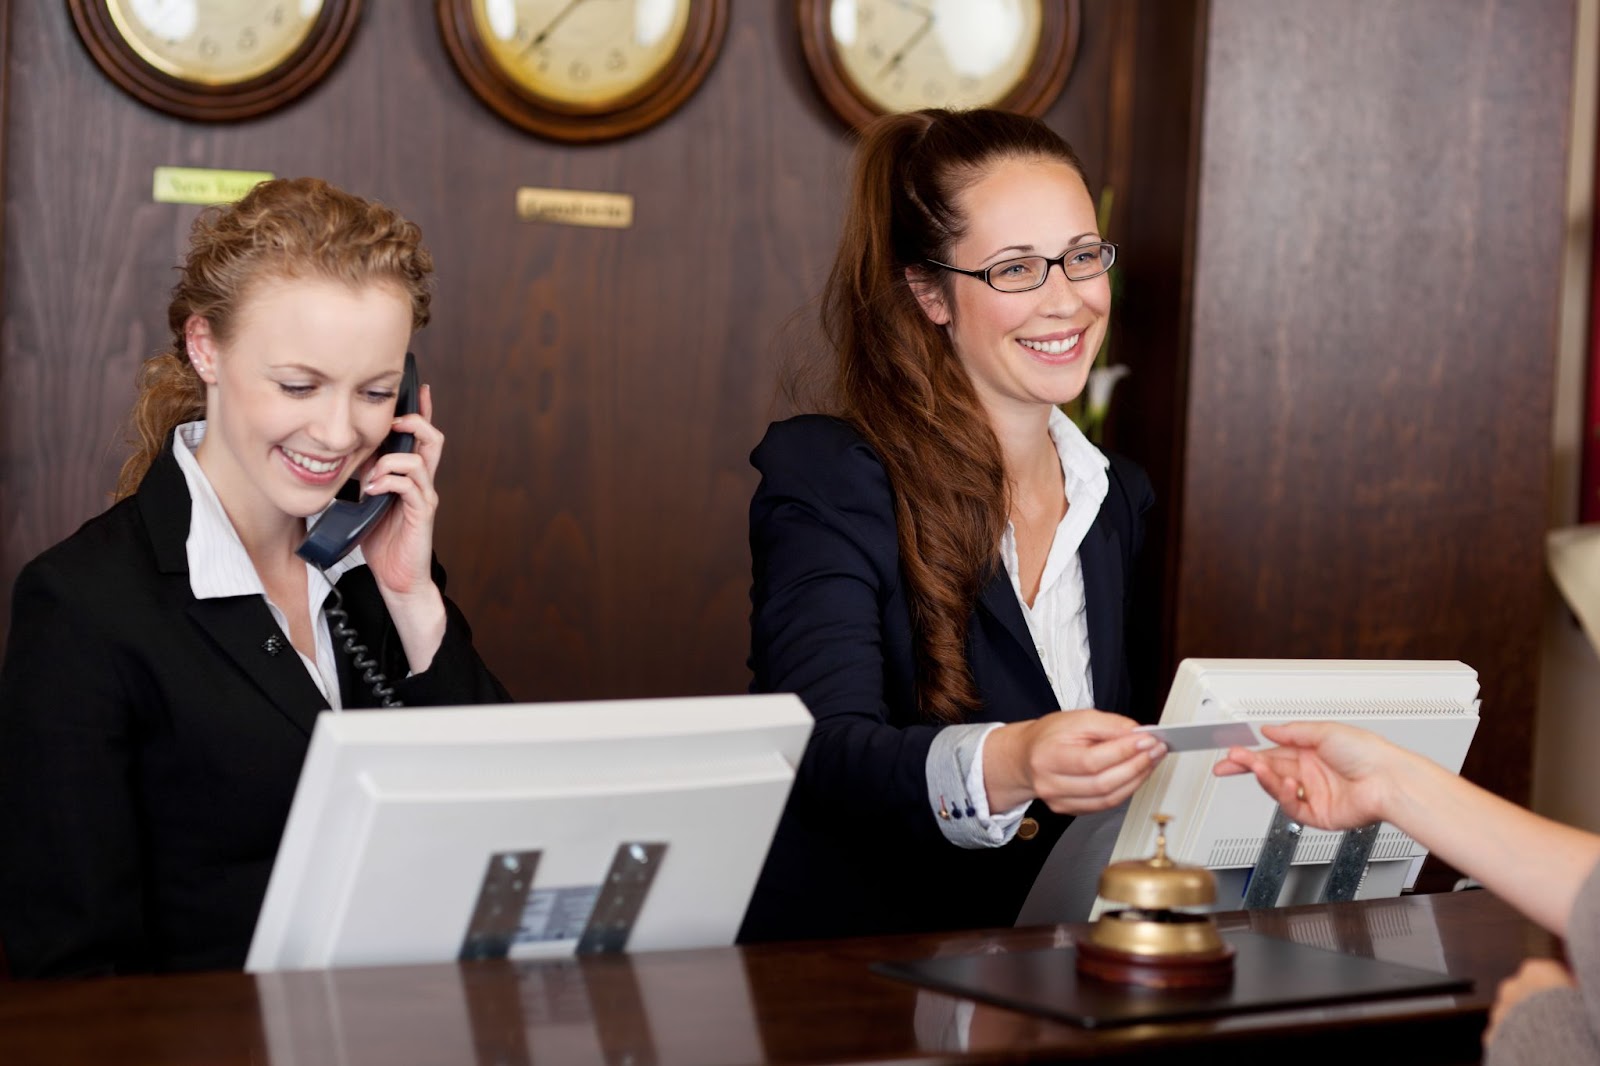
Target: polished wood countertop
[{"x": 787, "y": 1003}]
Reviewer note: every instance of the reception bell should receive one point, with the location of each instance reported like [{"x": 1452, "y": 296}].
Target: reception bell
[{"x": 1152, "y": 941}]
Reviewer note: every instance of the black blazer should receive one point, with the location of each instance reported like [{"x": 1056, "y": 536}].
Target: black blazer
[
  {"x": 150, "y": 744},
  {"x": 858, "y": 850}
]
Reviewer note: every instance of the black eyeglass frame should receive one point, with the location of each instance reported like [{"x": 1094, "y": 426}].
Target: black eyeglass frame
[{"x": 1060, "y": 261}]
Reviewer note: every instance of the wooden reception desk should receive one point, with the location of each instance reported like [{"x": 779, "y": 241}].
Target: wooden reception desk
[{"x": 804, "y": 1003}]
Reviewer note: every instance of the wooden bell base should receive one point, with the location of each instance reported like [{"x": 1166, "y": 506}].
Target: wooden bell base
[{"x": 1213, "y": 969}]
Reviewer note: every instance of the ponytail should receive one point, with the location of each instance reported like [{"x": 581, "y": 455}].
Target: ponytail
[
  {"x": 898, "y": 380},
  {"x": 170, "y": 394}
]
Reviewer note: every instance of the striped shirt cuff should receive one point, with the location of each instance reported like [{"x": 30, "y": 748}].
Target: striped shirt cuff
[{"x": 957, "y": 795}]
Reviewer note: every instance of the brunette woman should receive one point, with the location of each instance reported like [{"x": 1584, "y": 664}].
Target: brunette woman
[
  {"x": 166, "y": 661},
  {"x": 941, "y": 562}
]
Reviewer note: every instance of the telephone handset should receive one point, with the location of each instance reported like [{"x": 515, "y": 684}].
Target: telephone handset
[{"x": 346, "y": 522}]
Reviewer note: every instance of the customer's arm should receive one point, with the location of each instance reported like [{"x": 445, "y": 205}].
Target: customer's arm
[{"x": 1351, "y": 777}]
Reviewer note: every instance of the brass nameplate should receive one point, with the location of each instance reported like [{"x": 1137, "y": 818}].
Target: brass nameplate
[
  {"x": 197, "y": 185},
  {"x": 612, "y": 210}
]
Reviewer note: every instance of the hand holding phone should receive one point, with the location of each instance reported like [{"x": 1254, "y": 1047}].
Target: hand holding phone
[{"x": 345, "y": 524}]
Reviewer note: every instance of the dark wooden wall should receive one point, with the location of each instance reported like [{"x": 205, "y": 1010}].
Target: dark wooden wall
[
  {"x": 1376, "y": 263},
  {"x": 1155, "y": 149},
  {"x": 600, "y": 390},
  {"x": 1340, "y": 265}
]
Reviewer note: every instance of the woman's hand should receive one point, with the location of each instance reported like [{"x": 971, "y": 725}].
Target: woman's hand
[
  {"x": 1322, "y": 773},
  {"x": 1536, "y": 975},
  {"x": 1077, "y": 762},
  {"x": 399, "y": 552}
]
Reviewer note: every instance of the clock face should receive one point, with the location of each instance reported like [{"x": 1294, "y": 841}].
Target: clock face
[
  {"x": 581, "y": 54},
  {"x": 906, "y": 54},
  {"x": 214, "y": 42}
]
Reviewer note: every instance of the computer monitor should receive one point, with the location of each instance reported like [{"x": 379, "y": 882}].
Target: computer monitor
[
  {"x": 428, "y": 835},
  {"x": 1222, "y": 822}
]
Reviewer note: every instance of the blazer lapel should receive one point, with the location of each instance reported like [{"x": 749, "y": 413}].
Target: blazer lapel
[
  {"x": 999, "y": 599},
  {"x": 1101, "y": 557},
  {"x": 239, "y": 625},
  {"x": 163, "y": 500},
  {"x": 245, "y": 631}
]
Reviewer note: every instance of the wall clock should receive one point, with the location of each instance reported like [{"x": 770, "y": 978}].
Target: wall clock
[
  {"x": 871, "y": 57},
  {"x": 215, "y": 60},
  {"x": 583, "y": 70}
]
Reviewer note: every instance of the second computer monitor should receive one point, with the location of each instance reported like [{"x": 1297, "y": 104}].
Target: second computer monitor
[{"x": 1222, "y": 822}]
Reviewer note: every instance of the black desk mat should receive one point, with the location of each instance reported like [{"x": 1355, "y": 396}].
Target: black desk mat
[{"x": 1269, "y": 974}]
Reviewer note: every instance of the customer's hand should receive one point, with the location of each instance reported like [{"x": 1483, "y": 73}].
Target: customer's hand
[{"x": 1324, "y": 774}]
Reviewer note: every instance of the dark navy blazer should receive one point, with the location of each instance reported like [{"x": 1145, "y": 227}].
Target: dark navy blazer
[{"x": 859, "y": 850}]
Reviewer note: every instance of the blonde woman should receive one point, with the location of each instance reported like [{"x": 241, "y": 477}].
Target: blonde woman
[{"x": 166, "y": 661}]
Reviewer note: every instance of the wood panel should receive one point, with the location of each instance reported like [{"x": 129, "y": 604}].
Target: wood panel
[
  {"x": 1374, "y": 311},
  {"x": 600, "y": 389},
  {"x": 1160, "y": 53}
]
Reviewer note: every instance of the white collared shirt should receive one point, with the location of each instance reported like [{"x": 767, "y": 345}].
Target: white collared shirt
[
  {"x": 1058, "y": 621},
  {"x": 220, "y": 567}
]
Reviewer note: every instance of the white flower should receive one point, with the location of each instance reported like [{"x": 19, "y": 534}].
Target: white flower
[{"x": 1102, "y": 379}]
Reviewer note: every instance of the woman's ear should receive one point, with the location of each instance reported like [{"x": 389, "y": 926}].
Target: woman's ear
[
  {"x": 930, "y": 295},
  {"x": 201, "y": 344}
]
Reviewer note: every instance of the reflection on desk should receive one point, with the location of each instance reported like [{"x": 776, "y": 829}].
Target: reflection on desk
[
  {"x": 594, "y": 1010},
  {"x": 777, "y": 1003}
]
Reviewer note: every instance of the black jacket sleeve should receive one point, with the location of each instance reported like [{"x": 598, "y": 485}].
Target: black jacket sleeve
[
  {"x": 825, "y": 561},
  {"x": 70, "y": 875},
  {"x": 457, "y": 675}
]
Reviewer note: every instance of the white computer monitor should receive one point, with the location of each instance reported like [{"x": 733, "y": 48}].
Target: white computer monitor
[
  {"x": 427, "y": 835},
  {"x": 1222, "y": 822}
]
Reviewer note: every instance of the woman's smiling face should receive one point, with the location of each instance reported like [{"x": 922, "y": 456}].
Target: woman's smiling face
[
  {"x": 301, "y": 393},
  {"x": 1022, "y": 348}
]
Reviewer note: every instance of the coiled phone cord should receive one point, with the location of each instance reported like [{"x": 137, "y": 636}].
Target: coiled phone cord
[{"x": 339, "y": 624}]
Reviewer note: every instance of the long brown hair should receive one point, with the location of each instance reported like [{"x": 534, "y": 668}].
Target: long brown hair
[
  {"x": 287, "y": 228},
  {"x": 897, "y": 379}
]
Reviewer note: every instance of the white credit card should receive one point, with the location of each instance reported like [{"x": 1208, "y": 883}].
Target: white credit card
[{"x": 1205, "y": 736}]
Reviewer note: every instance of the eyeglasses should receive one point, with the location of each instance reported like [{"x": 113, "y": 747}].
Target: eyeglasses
[{"x": 1078, "y": 263}]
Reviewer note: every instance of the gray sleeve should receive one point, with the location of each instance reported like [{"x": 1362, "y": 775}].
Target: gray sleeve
[
  {"x": 1583, "y": 944},
  {"x": 955, "y": 789},
  {"x": 1559, "y": 1025},
  {"x": 1549, "y": 1028}
]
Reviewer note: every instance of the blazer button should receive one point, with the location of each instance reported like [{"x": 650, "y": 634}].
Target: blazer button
[{"x": 1027, "y": 829}]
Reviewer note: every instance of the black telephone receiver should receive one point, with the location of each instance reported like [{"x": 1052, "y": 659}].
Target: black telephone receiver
[{"x": 346, "y": 522}]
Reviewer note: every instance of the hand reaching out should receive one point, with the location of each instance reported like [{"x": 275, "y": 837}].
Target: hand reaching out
[
  {"x": 1324, "y": 774},
  {"x": 1077, "y": 762}
]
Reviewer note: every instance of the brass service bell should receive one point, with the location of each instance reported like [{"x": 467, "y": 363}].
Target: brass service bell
[{"x": 1150, "y": 942}]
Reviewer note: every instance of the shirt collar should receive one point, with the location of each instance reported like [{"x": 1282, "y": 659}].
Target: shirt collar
[
  {"x": 1085, "y": 483},
  {"x": 1082, "y": 464},
  {"x": 219, "y": 566}
]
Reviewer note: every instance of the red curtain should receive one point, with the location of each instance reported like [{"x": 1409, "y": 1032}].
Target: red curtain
[{"x": 1589, "y": 498}]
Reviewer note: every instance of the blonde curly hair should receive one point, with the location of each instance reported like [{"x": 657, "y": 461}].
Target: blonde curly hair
[{"x": 288, "y": 228}]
